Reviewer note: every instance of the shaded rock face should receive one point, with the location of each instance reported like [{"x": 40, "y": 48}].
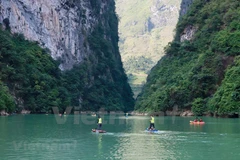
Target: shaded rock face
[
  {"x": 187, "y": 113},
  {"x": 3, "y": 113},
  {"x": 162, "y": 15},
  {"x": 59, "y": 25},
  {"x": 185, "y": 5},
  {"x": 188, "y": 33}
]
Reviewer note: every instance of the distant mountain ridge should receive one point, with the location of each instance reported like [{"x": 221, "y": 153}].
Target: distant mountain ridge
[{"x": 145, "y": 28}]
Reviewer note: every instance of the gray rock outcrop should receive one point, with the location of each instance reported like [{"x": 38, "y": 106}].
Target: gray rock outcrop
[
  {"x": 59, "y": 25},
  {"x": 188, "y": 33}
]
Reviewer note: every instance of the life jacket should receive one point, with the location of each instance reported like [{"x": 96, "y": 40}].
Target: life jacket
[
  {"x": 100, "y": 120},
  {"x": 152, "y": 120}
]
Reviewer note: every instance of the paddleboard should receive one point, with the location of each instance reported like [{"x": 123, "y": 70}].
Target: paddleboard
[
  {"x": 99, "y": 131},
  {"x": 152, "y": 131}
]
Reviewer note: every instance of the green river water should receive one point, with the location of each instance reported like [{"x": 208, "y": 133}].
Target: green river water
[{"x": 50, "y": 137}]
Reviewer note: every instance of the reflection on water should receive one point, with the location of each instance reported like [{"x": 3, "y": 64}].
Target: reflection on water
[
  {"x": 100, "y": 152},
  {"x": 42, "y": 137},
  {"x": 139, "y": 146}
]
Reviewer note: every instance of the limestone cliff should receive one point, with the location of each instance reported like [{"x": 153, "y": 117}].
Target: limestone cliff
[
  {"x": 83, "y": 36},
  {"x": 189, "y": 30},
  {"x": 62, "y": 26}
]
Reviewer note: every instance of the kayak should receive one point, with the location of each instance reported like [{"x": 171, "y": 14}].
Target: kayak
[
  {"x": 192, "y": 122},
  {"x": 98, "y": 131}
]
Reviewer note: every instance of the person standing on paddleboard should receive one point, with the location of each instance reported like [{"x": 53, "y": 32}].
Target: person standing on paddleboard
[
  {"x": 152, "y": 123},
  {"x": 99, "y": 122}
]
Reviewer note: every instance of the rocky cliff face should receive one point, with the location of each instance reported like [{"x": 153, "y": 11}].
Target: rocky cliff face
[
  {"x": 189, "y": 31},
  {"x": 145, "y": 28},
  {"x": 162, "y": 15},
  {"x": 83, "y": 35},
  {"x": 185, "y": 6},
  {"x": 62, "y": 26}
]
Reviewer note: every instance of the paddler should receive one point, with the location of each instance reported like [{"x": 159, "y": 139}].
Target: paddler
[
  {"x": 196, "y": 119},
  {"x": 151, "y": 123},
  {"x": 99, "y": 122}
]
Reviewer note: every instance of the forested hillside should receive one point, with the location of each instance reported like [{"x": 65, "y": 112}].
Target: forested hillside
[
  {"x": 30, "y": 79},
  {"x": 59, "y": 54},
  {"x": 201, "y": 69},
  {"x": 29, "y": 76}
]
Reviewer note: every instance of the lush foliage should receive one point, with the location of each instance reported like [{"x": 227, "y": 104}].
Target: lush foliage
[
  {"x": 199, "y": 73},
  {"x": 198, "y": 106},
  {"x": 30, "y": 73},
  {"x": 110, "y": 81},
  {"x": 31, "y": 78},
  {"x": 139, "y": 64},
  {"x": 6, "y": 100},
  {"x": 227, "y": 98}
]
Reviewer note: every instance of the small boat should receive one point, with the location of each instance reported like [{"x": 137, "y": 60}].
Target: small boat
[
  {"x": 98, "y": 131},
  {"x": 192, "y": 122}
]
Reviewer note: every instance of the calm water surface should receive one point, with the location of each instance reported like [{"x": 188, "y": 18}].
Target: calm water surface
[{"x": 48, "y": 137}]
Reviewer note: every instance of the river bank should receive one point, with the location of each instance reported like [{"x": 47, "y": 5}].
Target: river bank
[{"x": 185, "y": 113}]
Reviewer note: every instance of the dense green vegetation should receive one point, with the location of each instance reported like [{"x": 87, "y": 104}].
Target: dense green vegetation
[
  {"x": 202, "y": 73},
  {"x": 139, "y": 64},
  {"x": 29, "y": 73},
  {"x": 110, "y": 80},
  {"x": 30, "y": 79},
  {"x": 6, "y": 100}
]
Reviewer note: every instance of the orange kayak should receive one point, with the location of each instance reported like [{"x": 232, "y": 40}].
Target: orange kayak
[{"x": 192, "y": 122}]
